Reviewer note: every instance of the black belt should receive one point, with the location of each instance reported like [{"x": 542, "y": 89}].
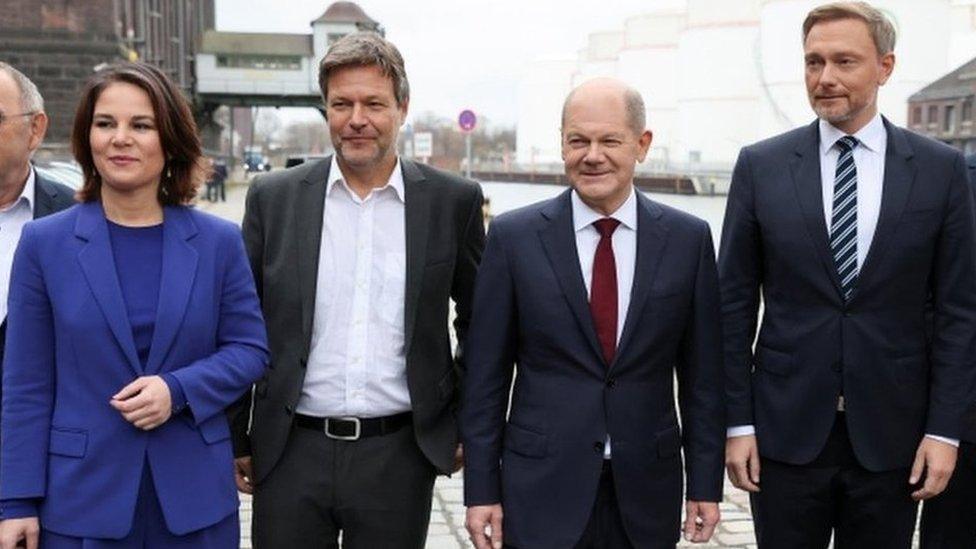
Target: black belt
[{"x": 354, "y": 428}]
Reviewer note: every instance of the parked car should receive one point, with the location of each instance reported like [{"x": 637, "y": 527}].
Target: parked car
[{"x": 66, "y": 173}]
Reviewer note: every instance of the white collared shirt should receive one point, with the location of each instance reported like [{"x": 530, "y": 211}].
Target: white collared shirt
[
  {"x": 624, "y": 244},
  {"x": 356, "y": 365},
  {"x": 12, "y": 221},
  {"x": 869, "y": 161}
]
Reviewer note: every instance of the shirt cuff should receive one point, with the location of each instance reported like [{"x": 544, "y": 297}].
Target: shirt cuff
[
  {"x": 17, "y": 508},
  {"x": 176, "y": 394},
  {"x": 947, "y": 440},
  {"x": 740, "y": 431}
]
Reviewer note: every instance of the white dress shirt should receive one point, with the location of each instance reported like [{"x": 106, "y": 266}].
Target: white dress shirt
[
  {"x": 356, "y": 365},
  {"x": 624, "y": 244},
  {"x": 12, "y": 221},
  {"x": 869, "y": 161}
]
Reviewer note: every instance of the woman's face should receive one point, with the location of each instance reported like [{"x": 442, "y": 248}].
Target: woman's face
[{"x": 124, "y": 140}]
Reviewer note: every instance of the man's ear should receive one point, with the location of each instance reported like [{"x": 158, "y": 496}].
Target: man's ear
[{"x": 38, "y": 128}]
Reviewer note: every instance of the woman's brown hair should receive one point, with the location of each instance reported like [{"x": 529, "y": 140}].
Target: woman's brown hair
[{"x": 184, "y": 170}]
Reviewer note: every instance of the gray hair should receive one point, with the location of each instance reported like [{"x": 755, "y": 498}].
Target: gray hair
[
  {"x": 364, "y": 49},
  {"x": 30, "y": 98},
  {"x": 633, "y": 103},
  {"x": 882, "y": 30}
]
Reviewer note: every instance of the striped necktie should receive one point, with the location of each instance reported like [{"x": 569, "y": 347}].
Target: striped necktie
[{"x": 843, "y": 220}]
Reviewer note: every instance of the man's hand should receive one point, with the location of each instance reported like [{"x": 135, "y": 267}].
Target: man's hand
[
  {"x": 742, "y": 462},
  {"x": 458, "y": 458},
  {"x": 478, "y": 518},
  {"x": 934, "y": 461},
  {"x": 701, "y": 517},
  {"x": 15, "y": 530},
  {"x": 145, "y": 403},
  {"x": 243, "y": 475}
]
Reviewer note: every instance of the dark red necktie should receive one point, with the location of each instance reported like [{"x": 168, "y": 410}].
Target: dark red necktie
[{"x": 603, "y": 289}]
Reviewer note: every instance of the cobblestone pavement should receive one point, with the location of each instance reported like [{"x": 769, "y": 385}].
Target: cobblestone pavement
[{"x": 447, "y": 513}]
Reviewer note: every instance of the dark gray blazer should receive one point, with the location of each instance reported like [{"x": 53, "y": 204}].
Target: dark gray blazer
[{"x": 282, "y": 230}]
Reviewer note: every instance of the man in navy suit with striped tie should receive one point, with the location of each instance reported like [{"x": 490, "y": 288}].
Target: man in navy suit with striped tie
[{"x": 844, "y": 414}]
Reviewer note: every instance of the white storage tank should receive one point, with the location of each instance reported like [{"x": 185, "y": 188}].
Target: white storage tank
[
  {"x": 718, "y": 99},
  {"x": 542, "y": 89}
]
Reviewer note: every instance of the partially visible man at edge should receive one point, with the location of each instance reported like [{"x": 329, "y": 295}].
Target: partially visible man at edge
[
  {"x": 845, "y": 414},
  {"x": 24, "y": 193},
  {"x": 356, "y": 259},
  {"x": 949, "y": 521}
]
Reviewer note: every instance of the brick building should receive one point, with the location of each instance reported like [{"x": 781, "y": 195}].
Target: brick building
[
  {"x": 944, "y": 109},
  {"x": 58, "y": 44}
]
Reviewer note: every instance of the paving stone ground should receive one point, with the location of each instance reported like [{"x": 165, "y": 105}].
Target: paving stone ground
[{"x": 447, "y": 512}]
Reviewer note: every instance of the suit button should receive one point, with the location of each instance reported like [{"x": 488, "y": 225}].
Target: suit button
[
  {"x": 598, "y": 447},
  {"x": 611, "y": 383},
  {"x": 289, "y": 409}
]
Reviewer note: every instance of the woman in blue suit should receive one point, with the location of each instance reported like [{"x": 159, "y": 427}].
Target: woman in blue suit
[{"x": 133, "y": 323}]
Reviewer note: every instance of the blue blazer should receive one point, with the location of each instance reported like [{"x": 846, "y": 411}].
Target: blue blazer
[
  {"x": 70, "y": 348},
  {"x": 543, "y": 463},
  {"x": 898, "y": 384}
]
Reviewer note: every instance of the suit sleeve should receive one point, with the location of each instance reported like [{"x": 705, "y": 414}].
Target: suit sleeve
[
  {"x": 239, "y": 413},
  {"x": 490, "y": 356},
  {"x": 213, "y": 383},
  {"x": 740, "y": 277},
  {"x": 28, "y": 378},
  {"x": 701, "y": 391},
  {"x": 954, "y": 301},
  {"x": 470, "y": 248}
]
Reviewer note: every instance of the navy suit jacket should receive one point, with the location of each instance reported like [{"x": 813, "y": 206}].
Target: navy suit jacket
[
  {"x": 70, "y": 348},
  {"x": 531, "y": 309},
  {"x": 812, "y": 345}
]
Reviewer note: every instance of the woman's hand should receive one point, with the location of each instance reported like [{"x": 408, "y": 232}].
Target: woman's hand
[
  {"x": 145, "y": 403},
  {"x": 14, "y": 530}
]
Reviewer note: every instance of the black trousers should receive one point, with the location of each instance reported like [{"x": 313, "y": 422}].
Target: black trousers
[
  {"x": 799, "y": 506},
  {"x": 376, "y": 491},
  {"x": 949, "y": 519},
  {"x": 605, "y": 530}
]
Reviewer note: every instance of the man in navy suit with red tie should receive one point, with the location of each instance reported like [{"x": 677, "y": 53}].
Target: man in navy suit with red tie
[{"x": 597, "y": 297}]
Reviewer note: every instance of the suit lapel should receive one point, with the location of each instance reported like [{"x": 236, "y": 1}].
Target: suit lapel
[
  {"x": 179, "y": 268},
  {"x": 43, "y": 197},
  {"x": 417, "y": 220},
  {"x": 809, "y": 189},
  {"x": 559, "y": 241},
  {"x": 309, "y": 209},
  {"x": 652, "y": 236},
  {"x": 899, "y": 176},
  {"x": 98, "y": 266}
]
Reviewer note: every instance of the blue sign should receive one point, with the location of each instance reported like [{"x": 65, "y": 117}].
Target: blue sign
[{"x": 467, "y": 120}]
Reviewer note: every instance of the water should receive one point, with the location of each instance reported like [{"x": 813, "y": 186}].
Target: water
[{"x": 508, "y": 196}]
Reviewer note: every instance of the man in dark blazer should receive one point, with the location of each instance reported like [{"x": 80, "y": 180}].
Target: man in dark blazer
[
  {"x": 599, "y": 296},
  {"x": 843, "y": 416},
  {"x": 24, "y": 193},
  {"x": 356, "y": 258},
  {"x": 949, "y": 521}
]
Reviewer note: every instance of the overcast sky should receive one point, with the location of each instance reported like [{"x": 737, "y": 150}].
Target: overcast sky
[{"x": 459, "y": 53}]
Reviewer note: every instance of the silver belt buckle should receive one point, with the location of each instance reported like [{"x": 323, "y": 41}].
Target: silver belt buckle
[
  {"x": 840, "y": 403},
  {"x": 354, "y": 436}
]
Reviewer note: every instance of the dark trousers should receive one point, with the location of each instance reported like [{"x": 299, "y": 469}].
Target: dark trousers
[
  {"x": 376, "y": 491},
  {"x": 605, "y": 530},
  {"x": 799, "y": 506},
  {"x": 949, "y": 519}
]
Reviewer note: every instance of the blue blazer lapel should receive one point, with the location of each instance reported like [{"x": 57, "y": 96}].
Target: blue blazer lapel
[
  {"x": 652, "y": 236},
  {"x": 559, "y": 241},
  {"x": 98, "y": 265},
  {"x": 809, "y": 190},
  {"x": 176, "y": 278},
  {"x": 899, "y": 176}
]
